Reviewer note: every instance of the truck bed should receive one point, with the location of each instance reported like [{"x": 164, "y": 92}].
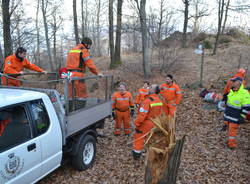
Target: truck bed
[{"x": 82, "y": 117}]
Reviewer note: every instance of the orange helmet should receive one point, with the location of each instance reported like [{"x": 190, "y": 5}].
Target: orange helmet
[{"x": 240, "y": 73}]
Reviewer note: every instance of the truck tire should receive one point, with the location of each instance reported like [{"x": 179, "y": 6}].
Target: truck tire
[{"x": 85, "y": 156}]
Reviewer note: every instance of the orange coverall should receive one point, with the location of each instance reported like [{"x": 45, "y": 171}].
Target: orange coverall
[
  {"x": 3, "y": 125},
  {"x": 121, "y": 104},
  {"x": 151, "y": 107},
  {"x": 172, "y": 96},
  {"x": 12, "y": 65},
  {"x": 77, "y": 60},
  {"x": 141, "y": 96}
]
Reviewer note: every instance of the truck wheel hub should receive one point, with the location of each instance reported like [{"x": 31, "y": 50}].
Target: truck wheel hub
[{"x": 88, "y": 153}]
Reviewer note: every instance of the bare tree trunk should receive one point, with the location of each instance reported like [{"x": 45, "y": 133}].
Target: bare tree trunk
[
  {"x": 225, "y": 19},
  {"x": 18, "y": 31},
  {"x": 1, "y": 63},
  {"x": 82, "y": 13},
  {"x": 145, "y": 49},
  {"x": 160, "y": 20},
  {"x": 220, "y": 17},
  {"x": 1, "y": 59},
  {"x": 118, "y": 32},
  {"x": 37, "y": 35},
  {"x": 61, "y": 51},
  {"x": 196, "y": 17},
  {"x": 184, "y": 35},
  {"x": 111, "y": 34},
  {"x": 6, "y": 28},
  {"x": 86, "y": 22},
  {"x": 75, "y": 22},
  {"x": 135, "y": 36},
  {"x": 98, "y": 28},
  {"x": 54, "y": 42},
  {"x": 44, "y": 9}
]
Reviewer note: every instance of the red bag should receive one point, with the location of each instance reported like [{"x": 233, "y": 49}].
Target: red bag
[{"x": 64, "y": 73}]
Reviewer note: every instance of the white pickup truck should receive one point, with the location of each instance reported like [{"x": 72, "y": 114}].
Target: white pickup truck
[{"x": 38, "y": 129}]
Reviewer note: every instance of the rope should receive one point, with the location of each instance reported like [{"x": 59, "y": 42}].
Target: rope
[
  {"x": 31, "y": 81},
  {"x": 138, "y": 138}
]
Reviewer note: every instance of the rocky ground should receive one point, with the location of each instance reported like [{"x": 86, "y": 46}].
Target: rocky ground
[{"x": 205, "y": 157}]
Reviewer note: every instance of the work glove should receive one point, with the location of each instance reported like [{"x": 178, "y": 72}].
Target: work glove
[
  {"x": 132, "y": 112},
  {"x": 113, "y": 113}
]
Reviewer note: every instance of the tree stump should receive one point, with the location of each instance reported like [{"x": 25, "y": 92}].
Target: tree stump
[{"x": 163, "y": 156}]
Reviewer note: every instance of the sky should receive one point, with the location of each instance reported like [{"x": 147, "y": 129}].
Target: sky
[{"x": 210, "y": 22}]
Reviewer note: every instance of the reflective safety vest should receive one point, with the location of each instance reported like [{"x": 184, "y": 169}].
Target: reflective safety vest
[
  {"x": 237, "y": 106},
  {"x": 76, "y": 57}
]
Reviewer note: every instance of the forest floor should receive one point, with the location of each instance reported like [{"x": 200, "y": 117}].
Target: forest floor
[{"x": 205, "y": 157}]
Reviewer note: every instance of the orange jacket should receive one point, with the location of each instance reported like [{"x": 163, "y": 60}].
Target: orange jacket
[
  {"x": 141, "y": 95},
  {"x": 3, "y": 125},
  {"x": 78, "y": 58},
  {"x": 13, "y": 65},
  {"x": 171, "y": 94},
  {"x": 151, "y": 107},
  {"x": 122, "y": 102},
  {"x": 241, "y": 73}
]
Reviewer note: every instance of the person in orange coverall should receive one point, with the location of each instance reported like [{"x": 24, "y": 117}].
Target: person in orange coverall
[
  {"x": 150, "y": 108},
  {"x": 241, "y": 73},
  {"x": 5, "y": 119},
  {"x": 237, "y": 107},
  {"x": 15, "y": 64},
  {"x": 123, "y": 108},
  {"x": 77, "y": 60},
  {"x": 171, "y": 94},
  {"x": 141, "y": 94}
]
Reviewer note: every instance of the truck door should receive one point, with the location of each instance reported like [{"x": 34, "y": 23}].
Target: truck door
[
  {"x": 47, "y": 127},
  {"x": 20, "y": 150}
]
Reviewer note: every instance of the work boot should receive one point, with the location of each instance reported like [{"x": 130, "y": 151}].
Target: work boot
[
  {"x": 117, "y": 133},
  {"x": 224, "y": 128},
  {"x": 136, "y": 156},
  {"x": 231, "y": 147},
  {"x": 127, "y": 132}
]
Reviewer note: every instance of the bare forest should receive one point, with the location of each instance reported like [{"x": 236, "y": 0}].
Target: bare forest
[{"x": 138, "y": 40}]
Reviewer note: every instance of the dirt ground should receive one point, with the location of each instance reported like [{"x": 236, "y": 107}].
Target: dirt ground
[{"x": 205, "y": 157}]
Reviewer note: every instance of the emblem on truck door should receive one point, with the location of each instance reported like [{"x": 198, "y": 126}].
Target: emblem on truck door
[{"x": 13, "y": 167}]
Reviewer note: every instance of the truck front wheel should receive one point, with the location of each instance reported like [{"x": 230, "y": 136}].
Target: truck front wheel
[{"x": 85, "y": 156}]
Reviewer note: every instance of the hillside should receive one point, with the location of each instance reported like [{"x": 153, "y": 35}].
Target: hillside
[{"x": 205, "y": 158}]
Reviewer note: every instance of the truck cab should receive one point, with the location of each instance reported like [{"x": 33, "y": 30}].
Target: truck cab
[{"x": 30, "y": 136}]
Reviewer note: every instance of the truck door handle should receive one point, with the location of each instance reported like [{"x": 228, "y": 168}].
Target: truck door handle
[{"x": 31, "y": 147}]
